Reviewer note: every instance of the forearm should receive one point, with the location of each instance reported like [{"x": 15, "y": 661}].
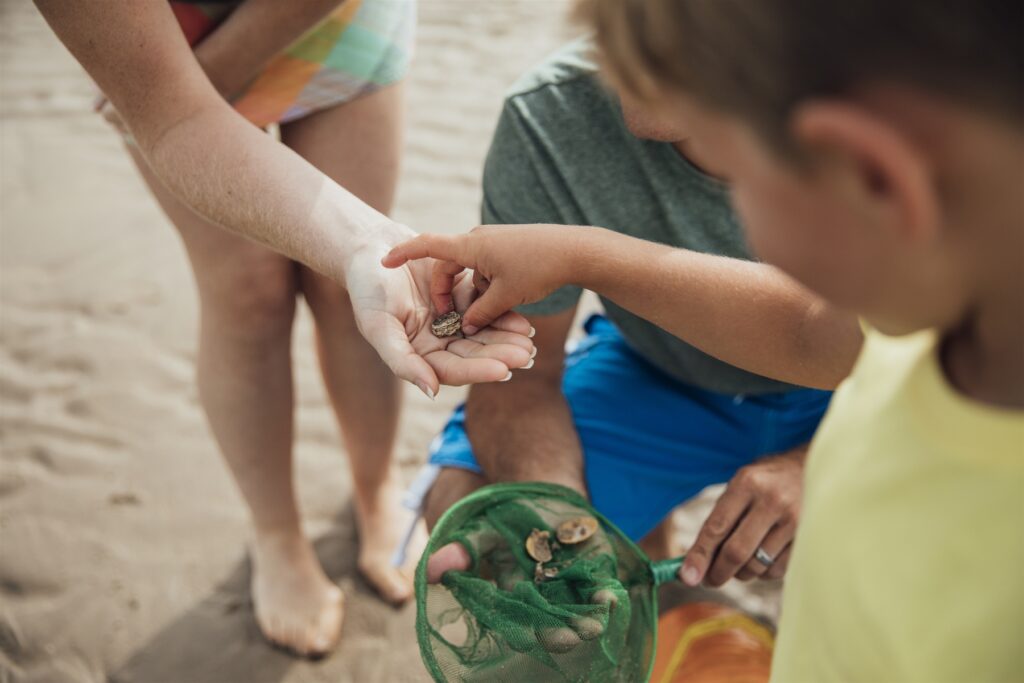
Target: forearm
[
  {"x": 522, "y": 430},
  {"x": 240, "y": 178},
  {"x": 252, "y": 35},
  {"x": 204, "y": 152},
  {"x": 747, "y": 314}
]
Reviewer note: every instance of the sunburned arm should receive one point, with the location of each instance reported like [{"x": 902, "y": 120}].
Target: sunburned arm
[
  {"x": 253, "y": 34},
  {"x": 204, "y": 152},
  {"x": 749, "y": 315},
  {"x": 522, "y": 430}
]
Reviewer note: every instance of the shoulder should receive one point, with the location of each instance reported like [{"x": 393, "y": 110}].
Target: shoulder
[
  {"x": 567, "y": 66},
  {"x": 547, "y": 126},
  {"x": 562, "y": 88}
]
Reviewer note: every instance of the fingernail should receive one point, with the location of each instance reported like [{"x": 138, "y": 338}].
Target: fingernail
[
  {"x": 533, "y": 331},
  {"x": 469, "y": 329},
  {"x": 691, "y": 576},
  {"x": 507, "y": 377},
  {"x": 533, "y": 354},
  {"x": 427, "y": 390},
  {"x": 528, "y": 365}
]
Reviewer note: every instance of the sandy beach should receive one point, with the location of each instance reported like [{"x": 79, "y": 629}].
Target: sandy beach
[{"x": 122, "y": 537}]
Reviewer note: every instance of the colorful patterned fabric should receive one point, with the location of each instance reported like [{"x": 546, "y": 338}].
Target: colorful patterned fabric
[{"x": 362, "y": 46}]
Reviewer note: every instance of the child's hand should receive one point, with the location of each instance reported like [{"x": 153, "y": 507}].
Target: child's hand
[
  {"x": 394, "y": 314},
  {"x": 513, "y": 264}
]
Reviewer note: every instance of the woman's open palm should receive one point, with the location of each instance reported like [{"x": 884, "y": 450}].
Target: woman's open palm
[{"x": 393, "y": 310}]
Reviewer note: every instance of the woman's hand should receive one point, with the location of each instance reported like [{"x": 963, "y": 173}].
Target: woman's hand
[
  {"x": 394, "y": 313},
  {"x": 513, "y": 265}
]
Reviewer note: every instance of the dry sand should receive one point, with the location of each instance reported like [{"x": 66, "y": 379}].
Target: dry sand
[{"x": 121, "y": 536}]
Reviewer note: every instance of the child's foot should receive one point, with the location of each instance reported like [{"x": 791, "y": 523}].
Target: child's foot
[
  {"x": 382, "y": 523},
  {"x": 297, "y": 606}
]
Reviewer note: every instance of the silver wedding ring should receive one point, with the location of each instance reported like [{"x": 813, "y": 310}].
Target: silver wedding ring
[{"x": 764, "y": 558}]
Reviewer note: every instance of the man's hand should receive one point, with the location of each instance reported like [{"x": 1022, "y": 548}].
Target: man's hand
[
  {"x": 758, "y": 511},
  {"x": 513, "y": 265},
  {"x": 393, "y": 311}
]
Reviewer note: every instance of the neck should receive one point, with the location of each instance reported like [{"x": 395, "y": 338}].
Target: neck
[
  {"x": 683, "y": 148},
  {"x": 984, "y": 357}
]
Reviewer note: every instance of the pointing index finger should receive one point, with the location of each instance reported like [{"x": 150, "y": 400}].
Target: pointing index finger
[
  {"x": 443, "y": 247},
  {"x": 442, "y": 281}
]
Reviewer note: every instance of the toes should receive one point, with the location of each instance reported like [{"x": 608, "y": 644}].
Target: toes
[
  {"x": 312, "y": 635},
  {"x": 273, "y": 630},
  {"x": 328, "y": 630},
  {"x": 392, "y": 585}
]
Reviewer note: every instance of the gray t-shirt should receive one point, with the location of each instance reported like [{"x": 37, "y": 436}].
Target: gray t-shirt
[{"x": 562, "y": 154}]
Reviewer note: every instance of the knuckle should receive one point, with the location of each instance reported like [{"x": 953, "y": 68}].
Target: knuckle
[
  {"x": 773, "y": 498},
  {"x": 790, "y": 515},
  {"x": 744, "y": 476},
  {"x": 717, "y": 526},
  {"x": 698, "y": 554},
  {"x": 734, "y": 556}
]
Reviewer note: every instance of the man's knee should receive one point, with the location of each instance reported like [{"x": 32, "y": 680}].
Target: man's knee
[{"x": 452, "y": 485}]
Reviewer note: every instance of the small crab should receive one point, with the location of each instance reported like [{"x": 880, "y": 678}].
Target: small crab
[{"x": 447, "y": 325}]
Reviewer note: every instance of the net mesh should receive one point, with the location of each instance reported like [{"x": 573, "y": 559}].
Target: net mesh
[{"x": 589, "y": 617}]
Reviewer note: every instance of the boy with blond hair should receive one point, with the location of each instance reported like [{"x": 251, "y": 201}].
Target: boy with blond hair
[{"x": 875, "y": 152}]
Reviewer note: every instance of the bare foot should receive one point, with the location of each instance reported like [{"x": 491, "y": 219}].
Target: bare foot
[
  {"x": 297, "y": 606},
  {"x": 382, "y": 523}
]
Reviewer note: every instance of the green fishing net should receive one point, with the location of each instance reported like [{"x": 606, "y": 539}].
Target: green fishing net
[{"x": 588, "y": 613}]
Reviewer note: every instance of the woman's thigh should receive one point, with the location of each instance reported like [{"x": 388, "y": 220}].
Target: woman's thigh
[{"x": 358, "y": 145}]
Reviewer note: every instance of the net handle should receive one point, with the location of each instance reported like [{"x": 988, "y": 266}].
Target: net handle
[{"x": 666, "y": 570}]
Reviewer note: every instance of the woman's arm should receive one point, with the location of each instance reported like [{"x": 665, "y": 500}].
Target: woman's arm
[
  {"x": 238, "y": 177},
  {"x": 206, "y": 154},
  {"x": 253, "y": 34}
]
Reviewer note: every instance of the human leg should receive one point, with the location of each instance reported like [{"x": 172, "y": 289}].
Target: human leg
[
  {"x": 247, "y": 302},
  {"x": 357, "y": 144}
]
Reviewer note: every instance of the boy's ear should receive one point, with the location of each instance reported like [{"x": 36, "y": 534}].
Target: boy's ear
[{"x": 887, "y": 176}]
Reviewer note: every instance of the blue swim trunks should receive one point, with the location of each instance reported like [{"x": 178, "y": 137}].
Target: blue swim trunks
[{"x": 649, "y": 441}]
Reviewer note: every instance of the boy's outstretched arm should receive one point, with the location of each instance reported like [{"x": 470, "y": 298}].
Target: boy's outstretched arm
[{"x": 744, "y": 313}]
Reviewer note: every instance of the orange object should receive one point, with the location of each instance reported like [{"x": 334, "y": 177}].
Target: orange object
[{"x": 706, "y": 642}]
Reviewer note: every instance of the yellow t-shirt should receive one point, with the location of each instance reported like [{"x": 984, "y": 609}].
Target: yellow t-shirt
[{"x": 909, "y": 561}]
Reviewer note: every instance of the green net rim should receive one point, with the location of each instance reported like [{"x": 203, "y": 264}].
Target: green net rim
[{"x": 537, "y": 487}]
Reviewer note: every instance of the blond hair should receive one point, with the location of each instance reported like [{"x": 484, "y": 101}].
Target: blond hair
[{"x": 759, "y": 58}]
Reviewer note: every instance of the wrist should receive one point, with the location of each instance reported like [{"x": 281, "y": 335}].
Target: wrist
[
  {"x": 797, "y": 455},
  {"x": 591, "y": 248},
  {"x": 369, "y": 242}
]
